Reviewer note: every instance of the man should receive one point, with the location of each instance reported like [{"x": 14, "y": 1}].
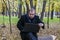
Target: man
[{"x": 30, "y": 17}]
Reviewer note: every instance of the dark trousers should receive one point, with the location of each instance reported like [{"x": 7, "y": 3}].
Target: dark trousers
[{"x": 28, "y": 36}]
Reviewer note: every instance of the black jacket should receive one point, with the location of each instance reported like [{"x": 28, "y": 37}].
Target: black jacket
[{"x": 25, "y": 19}]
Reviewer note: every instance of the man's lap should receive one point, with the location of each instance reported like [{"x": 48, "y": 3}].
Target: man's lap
[{"x": 25, "y": 35}]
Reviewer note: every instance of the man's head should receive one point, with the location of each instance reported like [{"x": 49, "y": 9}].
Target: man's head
[{"x": 31, "y": 13}]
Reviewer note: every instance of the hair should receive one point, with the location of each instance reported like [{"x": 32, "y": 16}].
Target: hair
[{"x": 30, "y": 10}]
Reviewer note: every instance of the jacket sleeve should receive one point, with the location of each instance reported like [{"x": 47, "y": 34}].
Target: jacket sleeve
[
  {"x": 20, "y": 24},
  {"x": 39, "y": 21}
]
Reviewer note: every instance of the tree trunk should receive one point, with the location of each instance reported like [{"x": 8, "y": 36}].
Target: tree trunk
[
  {"x": 20, "y": 9},
  {"x": 24, "y": 10},
  {"x": 31, "y": 3},
  {"x": 35, "y": 5},
  {"x": 43, "y": 9},
  {"x": 27, "y": 6},
  {"x": 9, "y": 11},
  {"x": 48, "y": 15},
  {"x": 52, "y": 12}
]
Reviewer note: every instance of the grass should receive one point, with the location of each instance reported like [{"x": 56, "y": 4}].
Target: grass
[
  {"x": 14, "y": 20},
  {"x": 6, "y": 19},
  {"x": 54, "y": 20}
]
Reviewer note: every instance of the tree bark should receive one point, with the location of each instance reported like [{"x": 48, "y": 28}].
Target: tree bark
[
  {"x": 27, "y": 6},
  {"x": 52, "y": 12},
  {"x": 31, "y": 3},
  {"x": 20, "y": 9},
  {"x": 43, "y": 9}
]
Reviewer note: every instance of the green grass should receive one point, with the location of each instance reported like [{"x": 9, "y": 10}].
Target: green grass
[
  {"x": 14, "y": 20},
  {"x": 54, "y": 20}
]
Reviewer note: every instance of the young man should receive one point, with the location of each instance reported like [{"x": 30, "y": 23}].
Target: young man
[{"x": 29, "y": 18}]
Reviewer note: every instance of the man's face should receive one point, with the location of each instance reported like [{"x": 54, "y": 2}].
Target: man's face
[{"x": 31, "y": 14}]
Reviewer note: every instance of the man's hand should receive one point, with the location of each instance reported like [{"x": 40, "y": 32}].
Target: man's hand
[{"x": 41, "y": 24}]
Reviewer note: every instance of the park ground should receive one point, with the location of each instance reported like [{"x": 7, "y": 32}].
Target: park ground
[{"x": 54, "y": 28}]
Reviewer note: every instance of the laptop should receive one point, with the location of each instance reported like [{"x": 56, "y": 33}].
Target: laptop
[{"x": 30, "y": 27}]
